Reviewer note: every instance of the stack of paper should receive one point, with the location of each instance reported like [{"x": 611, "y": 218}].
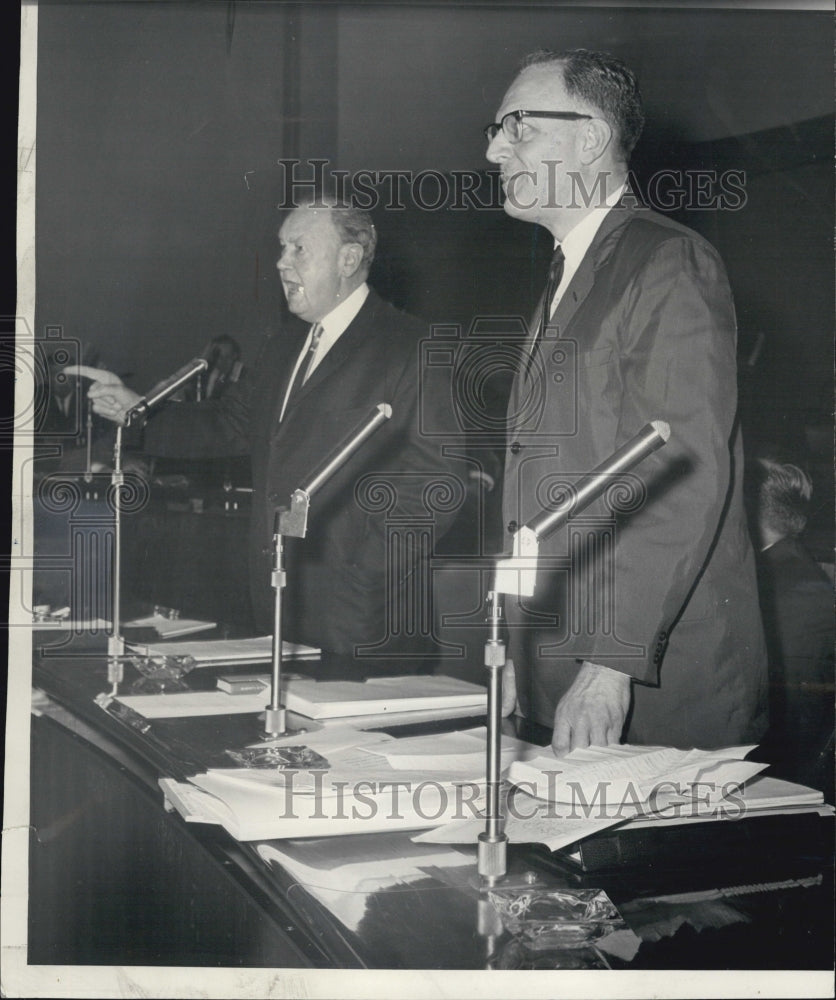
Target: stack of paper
[
  {"x": 190, "y": 704},
  {"x": 359, "y": 793},
  {"x": 338, "y": 699},
  {"x": 344, "y": 879},
  {"x": 390, "y": 696},
  {"x": 214, "y": 652},
  {"x": 373, "y": 783}
]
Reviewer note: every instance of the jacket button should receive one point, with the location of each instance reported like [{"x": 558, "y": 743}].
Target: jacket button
[
  {"x": 512, "y": 526},
  {"x": 516, "y": 448}
]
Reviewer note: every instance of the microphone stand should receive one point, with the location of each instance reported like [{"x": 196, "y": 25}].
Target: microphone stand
[
  {"x": 115, "y": 640},
  {"x": 88, "y": 465},
  {"x": 293, "y": 523},
  {"x": 493, "y": 842}
]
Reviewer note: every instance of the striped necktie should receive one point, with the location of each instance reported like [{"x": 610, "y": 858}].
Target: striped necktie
[{"x": 306, "y": 366}]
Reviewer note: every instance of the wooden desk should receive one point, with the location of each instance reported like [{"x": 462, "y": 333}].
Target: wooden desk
[{"x": 115, "y": 879}]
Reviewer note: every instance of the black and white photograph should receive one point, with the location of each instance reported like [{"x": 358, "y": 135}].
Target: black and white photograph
[{"x": 420, "y": 434}]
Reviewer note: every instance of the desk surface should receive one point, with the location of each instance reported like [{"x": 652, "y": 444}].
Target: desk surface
[{"x": 309, "y": 905}]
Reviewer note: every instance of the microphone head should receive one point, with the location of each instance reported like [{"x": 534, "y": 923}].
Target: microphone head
[
  {"x": 662, "y": 428},
  {"x": 385, "y": 409}
]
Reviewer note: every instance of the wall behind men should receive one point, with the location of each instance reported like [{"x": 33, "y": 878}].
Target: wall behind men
[
  {"x": 160, "y": 126},
  {"x": 156, "y": 123}
]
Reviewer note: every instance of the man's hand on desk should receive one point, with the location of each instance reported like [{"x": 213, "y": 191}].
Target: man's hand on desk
[
  {"x": 593, "y": 710},
  {"x": 509, "y": 689},
  {"x": 110, "y": 396}
]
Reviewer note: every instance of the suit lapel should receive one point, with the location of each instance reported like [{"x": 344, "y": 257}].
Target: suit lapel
[
  {"x": 582, "y": 281},
  {"x": 278, "y": 367},
  {"x": 335, "y": 359},
  {"x": 606, "y": 239}
]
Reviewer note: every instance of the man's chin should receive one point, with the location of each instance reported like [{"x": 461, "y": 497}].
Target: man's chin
[
  {"x": 520, "y": 206},
  {"x": 518, "y": 211},
  {"x": 297, "y": 308}
]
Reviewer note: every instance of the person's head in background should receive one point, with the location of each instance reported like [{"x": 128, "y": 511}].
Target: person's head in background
[
  {"x": 223, "y": 353},
  {"x": 779, "y": 493}
]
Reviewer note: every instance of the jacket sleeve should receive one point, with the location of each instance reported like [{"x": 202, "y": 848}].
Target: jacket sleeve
[
  {"x": 677, "y": 363},
  {"x": 213, "y": 428}
]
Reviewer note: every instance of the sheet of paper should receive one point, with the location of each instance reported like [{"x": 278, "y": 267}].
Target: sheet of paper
[
  {"x": 194, "y": 805},
  {"x": 452, "y": 751},
  {"x": 517, "y": 575},
  {"x": 169, "y": 628}
]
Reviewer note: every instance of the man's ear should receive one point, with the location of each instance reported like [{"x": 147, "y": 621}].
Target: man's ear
[
  {"x": 596, "y": 139},
  {"x": 351, "y": 258}
]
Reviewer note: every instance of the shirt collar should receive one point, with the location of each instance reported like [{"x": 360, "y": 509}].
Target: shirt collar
[
  {"x": 340, "y": 317},
  {"x": 579, "y": 239}
]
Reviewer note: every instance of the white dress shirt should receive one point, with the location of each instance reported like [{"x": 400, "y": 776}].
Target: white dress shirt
[
  {"x": 579, "y": 239},
  {"x": 333, "y": 326}
]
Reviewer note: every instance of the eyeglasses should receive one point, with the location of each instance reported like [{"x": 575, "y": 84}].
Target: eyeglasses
[{"x": 512, "y": 123}]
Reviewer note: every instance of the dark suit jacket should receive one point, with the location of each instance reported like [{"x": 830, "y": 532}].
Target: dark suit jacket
[
  {"x": 657, "y": 579},
  {"x": 340, "y": 577}
]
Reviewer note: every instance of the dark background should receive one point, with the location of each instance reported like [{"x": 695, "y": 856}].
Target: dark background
[{"x": 160, "y": 126}]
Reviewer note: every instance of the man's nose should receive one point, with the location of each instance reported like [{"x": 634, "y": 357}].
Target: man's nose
[{"x": 498, "y": 148}]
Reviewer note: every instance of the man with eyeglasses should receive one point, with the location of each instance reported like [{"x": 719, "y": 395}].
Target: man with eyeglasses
[{"x": 645, "y": 624}]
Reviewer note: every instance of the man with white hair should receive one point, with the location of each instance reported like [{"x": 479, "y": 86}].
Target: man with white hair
[{"x": 343, "y": 351}]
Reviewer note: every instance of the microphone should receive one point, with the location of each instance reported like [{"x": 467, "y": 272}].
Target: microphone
[
  {"x": 162, "y": 390},
  {"x": 293, "y": 522},
  {"x": 651, "y": 437},
  {"x": 379, "y": 415},
  {"x": 517, "y": 574}
]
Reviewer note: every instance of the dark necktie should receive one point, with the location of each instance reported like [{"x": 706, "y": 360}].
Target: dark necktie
[
  {"x": 543, "y": 313},
  {"x": 304, "y": 369},
  {"x": 555, "y": 274}
]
